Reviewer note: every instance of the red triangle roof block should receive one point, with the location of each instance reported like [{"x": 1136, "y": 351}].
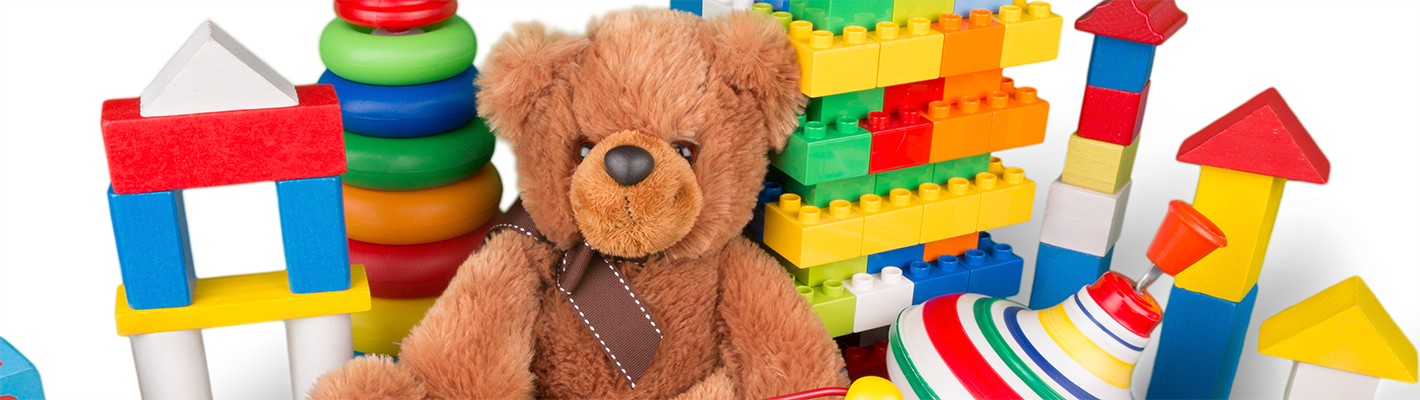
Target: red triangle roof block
[
  {"x": 1262, "y": 136},
  {"x": 1144, "y": 21}
]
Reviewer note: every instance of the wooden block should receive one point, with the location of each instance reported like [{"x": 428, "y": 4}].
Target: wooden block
[
  {"x": 1098, "y": 166},
  {"x": 313, "y": 234},
  {"x": 1261, "y": 136},
  {"x": 212, "y": 72},
  {"x": 1199, "y": 345},
  {"x": 1061, "y": 272},
  {"x": 1343, "y": 328},
  {"x": 1244, "y": 206},
  {"x": 150, "y": 230},
  {"x": 1144, "y": 21},
  {"x": 1083, "y": 220},
  {"x": 171, "y": 365},
  {"x": 1312, "y": 382},
  {"x": 243, "y": 299},
  {"x": 314, "y": 346}
]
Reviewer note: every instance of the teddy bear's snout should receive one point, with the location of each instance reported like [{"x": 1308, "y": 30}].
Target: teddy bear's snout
[{"x": 628, "y": 164}]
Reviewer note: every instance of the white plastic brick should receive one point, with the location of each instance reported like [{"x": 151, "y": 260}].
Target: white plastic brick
[
  {"x": 715, "y": 8},
  {"x": 881, "y": 297}
]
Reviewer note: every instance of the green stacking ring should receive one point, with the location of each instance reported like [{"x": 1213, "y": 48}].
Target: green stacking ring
[
  {"x": 444, "y": 49},
  {"x": 417, "y": 163}
]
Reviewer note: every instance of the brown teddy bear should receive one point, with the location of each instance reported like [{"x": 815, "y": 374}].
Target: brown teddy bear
[{"x": 641, "y": 147}]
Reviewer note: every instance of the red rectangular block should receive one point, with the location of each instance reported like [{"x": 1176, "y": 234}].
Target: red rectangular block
[
  {"x": 899, "y": 141},
  {"x": 916, "y": 94},
  {"x": 1113, "y": 116},
  {"x": 223, "y": 148}
]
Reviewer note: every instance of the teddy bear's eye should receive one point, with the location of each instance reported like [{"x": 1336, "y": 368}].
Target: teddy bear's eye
[
  {"x": 584, "y": 148},
  {"x": 686, "y": 150}
]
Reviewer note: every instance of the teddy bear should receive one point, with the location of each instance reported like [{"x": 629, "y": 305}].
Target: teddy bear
[{"x": 641, "y": 146}]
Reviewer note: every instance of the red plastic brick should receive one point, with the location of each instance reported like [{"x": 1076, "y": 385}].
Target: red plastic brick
[
  {"x": 899, "y": 141},
  {"x": 867, "y": 360},
  {"x": 1262, "y": 136},
  {"x": 223, "y": 148},
  {"x": 916, "y": 94},
  {"x": 1112, "y": 116},
  {"x": 1144, "y": 21}
]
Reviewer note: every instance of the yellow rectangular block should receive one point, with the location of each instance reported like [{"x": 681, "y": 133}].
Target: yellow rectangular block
[
  {"x": 949, "y": 211},
  {"x": 1004, "y": 201},
  {"x": 807, "y": 236},
  {"x": 834, "y": 64},
  {"x": 1032, "y": 33},
  {"x": 890, "y": 223},
  {"x": 902, "y": 10},
  {"x": 910, "y": 53},
  {"x": 1244, "y": 206},
  {"x": 243, "y": 299},
  {"x": 1099, "y": 166}
]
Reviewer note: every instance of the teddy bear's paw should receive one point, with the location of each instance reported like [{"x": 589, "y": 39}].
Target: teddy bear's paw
[{"x": 374, "y": 377}]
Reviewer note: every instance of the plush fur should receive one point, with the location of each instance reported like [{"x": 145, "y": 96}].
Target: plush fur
[{"x": 734, "y": 327}]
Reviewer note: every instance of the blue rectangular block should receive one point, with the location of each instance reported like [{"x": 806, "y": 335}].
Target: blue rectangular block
[
  {"x": 1061, "y": 272},
  {"x": 313, "y": 233},
  {"x": 150, "y": 230},
  {"x": 901, "y": 258},
  {"x": 1199, "y": 346},
  {"x": 964, "y": 7},
  {"x": 930, "y": 280},
  {"x": 1000, "y": 273},
  {"x": 1120, "y": 64},
  {"x": 19, "y": 379},
  {"x": 690, "y": 6}
]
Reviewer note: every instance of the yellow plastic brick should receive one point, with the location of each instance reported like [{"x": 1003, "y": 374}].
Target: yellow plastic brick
[
  {"x": 903, "y": 10},
  {"x": 380, "y": 330},
  {"x": 1344, "y": 327},
  {"x": 1004, "y": 201},
  {"x": 948, "y": 212},
  {"x": 889, "y": 223},
  {"x": 910, "y": 53},
  {"x": 807, "y": 236},
  {"x": 1032, "y": 34},
  {"x": 1099, "y": 166},
  {"x": 243, "y": 299},
  {"x": 1243, "y": 205},
  {"x": 834, "y": 64}
]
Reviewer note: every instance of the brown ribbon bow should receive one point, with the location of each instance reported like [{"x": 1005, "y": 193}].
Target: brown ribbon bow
[{"x": 608, "y": 307}]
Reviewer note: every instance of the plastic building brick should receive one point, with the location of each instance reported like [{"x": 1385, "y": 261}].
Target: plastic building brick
[
  {"x": 939, "y": 278},
  {"x": 183, "y": 85},
  {"x": 1017, "y": 120},
  {"x": 243, "y": 299},
  {"x": 1098, "y": 166},
  {"x": 965, "y": 7},
  {"x": 805, "y": 235},
  {"x": 1112, "y": 116},
  {"x": 959, "y": 130},
  {"x": 900, "y": 140},
  {"x": 852, "y": 104},
  {"x": 868, "y": 360},
  {"x": 818, "y": 274},
  {"x": 984, "y": 241},
  {"x": 405, "y": 111},
  {"x": 834, "y": 304},
  {"x": 834, "y": 64},
  {"x": 1120, "y": 64},
  {"x": 889, "y": 222},
  {"x": 964, "y": 167},
  {"x": 819, "y": 152},
  {"x": 1144, "y": 21},
  {"x": 837, "y": 15},
  {"x": 425, "y": 216},
  {"x": 154, "y": 254},
  {"x": 1199, "y": 345},
  {"x": 903, "y": 10},
  {"x": 1004, "y": 201},
  {"x": 1060, "y": 272},
  {"x": 1083, "y": 220},
  {"x": 769, "y": 194},
  {"x": 972, "y": 42},
  {"x": 820, "y": 195},
  {"x": 19, "y": 379},
  {"x": 900, "y": 258},
  {"x": 379, "y": 330},
  {"x": 774, "y": 5},
  {"x": 313, "y": 233},
  {"x": 906, "y": 178},
  {"x": 953, "y": 246},
  {"x": 972, "y": 84},
  {"x": 880, "y": 297},
  {"x": 1343, "y": 328},
  {"x": 715, "y": 8},
  {"x": 223, "y": 148},
  {"x": 910, "y": 53},
  {"x": 995, "y": 272},
  {"x": 949, "y": 211},
  {"x": 1032, "y": 34},
  {"x": 1261, "y": 136},
  {"x": 1245, "y": 206},
  {"x": 690, "y": 6},
  {"x": 914, "y": 94}
]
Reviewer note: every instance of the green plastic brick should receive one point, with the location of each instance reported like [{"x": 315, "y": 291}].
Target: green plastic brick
[
  {"x": 852, "y": 104},
  {"x": 816, "y": 275},
  {"x": 834, "y": 304},
  {"x": 965, "y": 167},
  {"x": 902, "y": 10},
  {"x": 820, "y": 153},
  {"x": 833, "y": 15},
  {"x": 904, "y": 178},
  {"x": 819, "y": 195}
]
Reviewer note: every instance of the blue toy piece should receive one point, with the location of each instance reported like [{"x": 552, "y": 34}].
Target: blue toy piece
[
  {"x": 995, "y": 273},
  {"x": 690, "y": 6},
  {"x": 943, "y": 277},
  {"x": 313, "y": 232},
  {"x": 984, "y": 242},
  {"x": 964, "y": 7},
  {"x": 1199, "y": 346},
  {"x": 19, "y": 379},
  {"x": 1120, "y": 64},
  {"x": 778, "y": 5},
  {"x": 405, "y": 111},
  {"x": 770, "y": 194},
  {"x": 154, "y": 254},
  {"x": 1061, "y": 272},
  {"x": 901, "y": 258}
]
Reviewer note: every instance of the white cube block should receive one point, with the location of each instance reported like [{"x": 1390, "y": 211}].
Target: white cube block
[
  {"x": 1083, "y": 220},
  {"x": 1314, "y": 382},
  {"x": 880, "y": 297}
]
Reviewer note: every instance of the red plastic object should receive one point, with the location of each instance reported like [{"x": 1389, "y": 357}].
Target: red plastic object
[
  {"x": 1262, "y": 136},
  {"x": 1137, "y": 312},
  {"x": 899, "y": 141},
  {"x": 867, "y": 361},
  {"x": 916, "y": 94},
  {"x": 395, "y": 15},
  {"x": 1112, "y": 116},
  {"x": 1184, "y": 237},
  {"x": 809, "y": 394},
  {"x": 415, "y": 271},
  {"x": 223, "y": 148},
  {"x": 1144, "y": 21}
]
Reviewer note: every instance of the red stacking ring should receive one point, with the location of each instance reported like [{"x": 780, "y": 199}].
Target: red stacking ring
[
  {"x": 415, "y": 271},
  {"x": 395, "y": 15}
]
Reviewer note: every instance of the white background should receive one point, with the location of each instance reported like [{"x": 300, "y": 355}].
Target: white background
[{"x": 1350, "y": 75}]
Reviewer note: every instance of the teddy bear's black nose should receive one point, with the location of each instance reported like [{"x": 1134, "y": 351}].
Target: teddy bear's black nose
[{"x": 628, "y": 164}]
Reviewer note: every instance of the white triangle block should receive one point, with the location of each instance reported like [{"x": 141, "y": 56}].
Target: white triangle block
[{"x": 213, "y": 73}]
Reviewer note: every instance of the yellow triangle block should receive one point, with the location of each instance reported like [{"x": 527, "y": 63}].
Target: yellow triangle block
[{"x": 1344, "y": 327}]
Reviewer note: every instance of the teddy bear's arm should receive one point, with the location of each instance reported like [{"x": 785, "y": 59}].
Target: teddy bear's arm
[{"x": 773, "y": 342}]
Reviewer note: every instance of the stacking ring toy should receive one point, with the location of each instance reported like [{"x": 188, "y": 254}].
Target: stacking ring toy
[
  {"x": 444, "y": 49},
  {"x": 405, "y": 111},
  {"x": 422, "y": 216},
  {"x": 417, "y": 163},
  {"x": 395, "y": 15},
  {"x": 419, "y": 270},
  {"x": 389, "y": 320}
]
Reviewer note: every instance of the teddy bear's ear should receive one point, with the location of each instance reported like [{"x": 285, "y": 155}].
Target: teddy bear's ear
[
  {"x": 753, "y": 54},
  {"x": 519, "y": 73}
]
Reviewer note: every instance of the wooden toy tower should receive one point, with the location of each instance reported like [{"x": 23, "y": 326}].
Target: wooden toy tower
[{"x": 216, "y": 115}]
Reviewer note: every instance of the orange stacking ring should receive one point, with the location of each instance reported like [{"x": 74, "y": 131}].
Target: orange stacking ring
[{"x": 422, "y": 216}]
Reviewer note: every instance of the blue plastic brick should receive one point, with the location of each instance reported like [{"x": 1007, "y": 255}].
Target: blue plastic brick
[
  {"x": 997, "y": 273},
  {"x": 313, "y": 232},
  {"x": 901, "y": 258},
  {"x": 984, "y": 242},
  {"x": 405, "y": 111},
  {"x": 1120, "y": 64},
  {"x": 1199, "y": 345},
  {"x": 690, "y": 6},
  {"x": 154, "y": 254},
  {"x": 777, "y": 4},
  {"x": 943, "y": 277},
  {"x": 769, "y": 194},
  {"x": 1061, "y": 272},
  {"x": 18, "y": 377},
  {"x": 964, "y": 7}
]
